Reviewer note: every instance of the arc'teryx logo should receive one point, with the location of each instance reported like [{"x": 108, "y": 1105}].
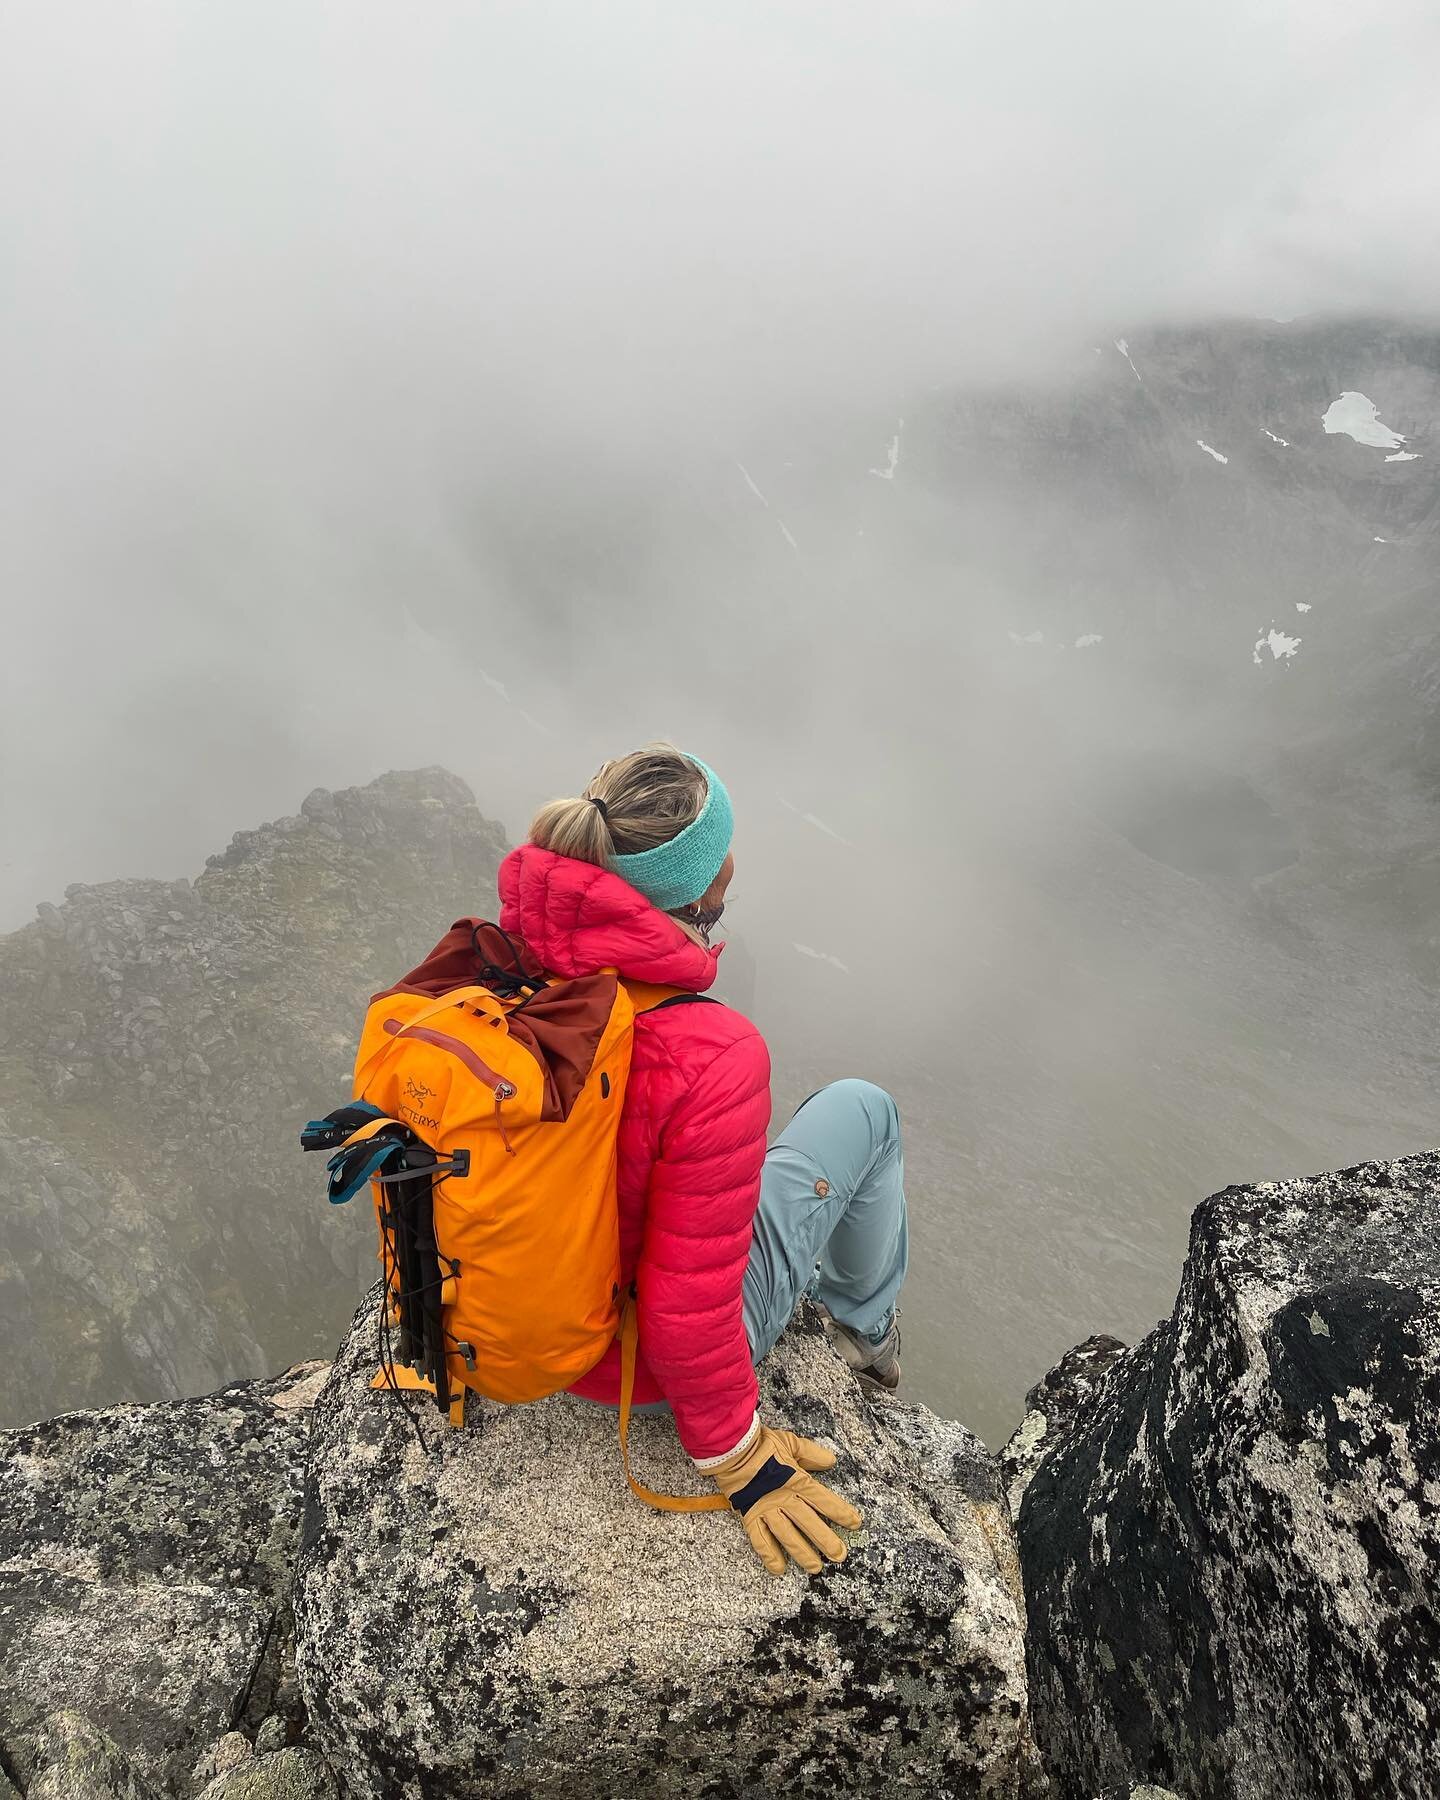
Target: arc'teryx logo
[{"x": 419, "y": 1093}]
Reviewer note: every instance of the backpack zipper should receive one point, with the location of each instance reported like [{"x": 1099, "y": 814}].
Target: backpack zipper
[
  {"x": 503, "y": 1089},
  {"x": 443, "y": 1041}
]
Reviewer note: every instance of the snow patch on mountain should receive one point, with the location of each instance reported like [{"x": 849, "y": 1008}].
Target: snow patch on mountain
[
  {"x": 893, "y": 458},
  {"x": 1357, "y": 416},
  {"x": 754, "y": 489},
  {"x": 750, "y": 483},
  {"x": 1088, "y": 640},
  {"x": 1279, "y": 646},
  {"x": 423, "y": 647},
  {"x": 823, "y": 956},
  {"x": 1209, "y": 451},
  {"x": 1029, "y": 637},
  {"x": 1283, "y": 442},
  {"x": 1404, "y": 456},
  {"x": 1303, "y": 605},
  {"x": 810, "y": 818},
  {"x": 1124, "y": 348}
]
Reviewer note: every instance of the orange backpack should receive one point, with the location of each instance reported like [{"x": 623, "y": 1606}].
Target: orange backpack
[{"x": 488, "y": 1126}]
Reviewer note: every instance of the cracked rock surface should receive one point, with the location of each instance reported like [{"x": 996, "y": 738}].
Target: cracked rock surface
[
  {"x": 496, "y": 1615},
  {"x": 1231, "y": 1558}
]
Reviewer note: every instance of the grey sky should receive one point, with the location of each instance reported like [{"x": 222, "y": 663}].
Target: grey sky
[{"x": 752, "y": 189}]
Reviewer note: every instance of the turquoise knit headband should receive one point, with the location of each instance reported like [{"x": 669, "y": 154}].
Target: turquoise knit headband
[{"x": 677, "y": 873}]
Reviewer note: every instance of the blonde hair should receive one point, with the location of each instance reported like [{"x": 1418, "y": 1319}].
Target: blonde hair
[{"x": 648, "y": 797}]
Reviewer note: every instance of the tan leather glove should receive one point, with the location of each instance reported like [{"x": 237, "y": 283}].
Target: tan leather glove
[{"x": 781, "y": 1505}]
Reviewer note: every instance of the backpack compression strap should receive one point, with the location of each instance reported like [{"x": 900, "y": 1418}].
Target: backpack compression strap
[{"x": 629, "y": 1340}]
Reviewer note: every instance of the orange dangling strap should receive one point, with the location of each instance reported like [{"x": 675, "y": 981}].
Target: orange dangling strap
[{"x": 629, "y": 1342}]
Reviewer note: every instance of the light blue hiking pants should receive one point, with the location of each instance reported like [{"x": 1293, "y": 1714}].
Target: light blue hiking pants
[{"x": 832, "y": 1192}]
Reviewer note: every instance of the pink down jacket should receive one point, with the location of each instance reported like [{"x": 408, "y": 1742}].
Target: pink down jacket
[{"x": 692, "y": 1141}]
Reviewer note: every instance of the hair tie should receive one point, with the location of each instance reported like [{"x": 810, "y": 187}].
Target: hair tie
[{"x": 600, "y": 807}]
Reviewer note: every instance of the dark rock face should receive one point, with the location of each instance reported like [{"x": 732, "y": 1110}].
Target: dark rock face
[
  {"x": 161, "y": 1043},
  {"x": 1231, "y": 1562},
  {"x": 496, "y": 1615},
  {"x": 145, "y": 1558}
]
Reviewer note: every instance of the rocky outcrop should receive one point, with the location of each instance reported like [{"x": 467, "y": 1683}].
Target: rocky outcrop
[
  {"x": 1051, "y": 1407},
  {"x": 1230, "y": 1558},
  {"x": 490, "y": 1611},
  {"x": 145, "y": 1560},
  {"x": 161, "y": 1043},
  {"x": 493, "y": 1608}
]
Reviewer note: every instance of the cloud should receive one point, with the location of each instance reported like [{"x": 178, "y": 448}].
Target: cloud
[{"x": 698, "y": 201}]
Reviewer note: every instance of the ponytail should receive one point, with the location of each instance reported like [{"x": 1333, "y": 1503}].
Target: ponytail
[
  {"x": 633, "y": 803},
  {"x": 573, "y": 828}
]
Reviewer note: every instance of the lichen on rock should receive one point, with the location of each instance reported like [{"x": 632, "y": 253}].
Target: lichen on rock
[
  {"x": 296, "y": 1774},
  {"x": 75, "y": 1760}
]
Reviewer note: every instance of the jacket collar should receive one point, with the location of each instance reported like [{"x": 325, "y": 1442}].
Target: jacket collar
[{"x": 577, "y": 919}]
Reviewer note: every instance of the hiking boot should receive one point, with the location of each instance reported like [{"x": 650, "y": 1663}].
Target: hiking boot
[{"x": 871, "y": 1358}]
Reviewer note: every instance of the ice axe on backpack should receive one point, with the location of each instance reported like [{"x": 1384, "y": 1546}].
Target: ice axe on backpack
[{"x": 368, "y": 1147}]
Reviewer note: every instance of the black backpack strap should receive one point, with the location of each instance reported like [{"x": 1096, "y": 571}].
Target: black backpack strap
[{"x": 684, "y": 1000}]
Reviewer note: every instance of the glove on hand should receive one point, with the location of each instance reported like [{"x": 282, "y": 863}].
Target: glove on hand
[{"x": 781, "y": 1505}]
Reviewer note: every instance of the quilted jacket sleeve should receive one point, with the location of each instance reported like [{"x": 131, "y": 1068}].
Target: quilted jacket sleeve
[{"x": 704, "y": 1185}]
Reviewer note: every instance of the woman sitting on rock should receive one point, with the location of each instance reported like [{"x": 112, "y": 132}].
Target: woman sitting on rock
[{"x": 720, "y": 1236}]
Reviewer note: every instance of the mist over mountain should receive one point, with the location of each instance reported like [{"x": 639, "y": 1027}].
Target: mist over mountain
[
  {"x": 161, "y": 1042},
  {"x": 336, "y": 339},
  {"x": 1086, "y": 786}
]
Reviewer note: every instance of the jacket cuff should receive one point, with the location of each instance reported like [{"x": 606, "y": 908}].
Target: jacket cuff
[{"x": 752, "y": 1431}]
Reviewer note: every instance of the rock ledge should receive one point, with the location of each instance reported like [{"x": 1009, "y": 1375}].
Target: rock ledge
[{"x": 499, "y": 1612}]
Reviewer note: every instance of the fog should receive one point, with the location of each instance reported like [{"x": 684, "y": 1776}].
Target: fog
[
  {"x": 500, "y": 385},
  {"x": 293, "y": 288}
]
